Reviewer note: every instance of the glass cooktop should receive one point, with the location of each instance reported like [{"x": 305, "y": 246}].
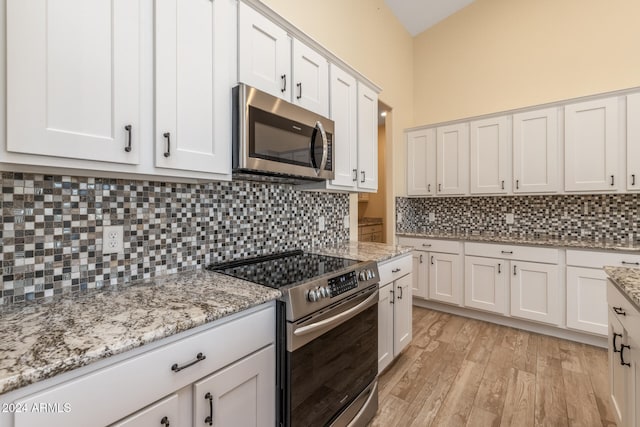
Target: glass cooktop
[{"x": 282, "y": 269}]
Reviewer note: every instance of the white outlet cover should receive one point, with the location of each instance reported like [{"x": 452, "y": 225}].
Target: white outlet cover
[
  {"x": 112, "y": 239},
  {"x": 432, "y": 216},
  {"x": 321, "y": 223},
  {"x": 509, "y": 219},
  {"x": 347, "y": 222},
  {"x": 399, "y": 217}
]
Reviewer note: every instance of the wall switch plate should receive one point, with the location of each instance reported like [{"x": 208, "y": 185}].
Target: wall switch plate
[
  {"x": 321, "y": 223},
  {"x": 432, "y": 216},
  {"x": 509, "y": 219},
  {"x": 399, "y": 217},
  {"x": 347, "y": 222},
  {"x": 113, "y": 239}
]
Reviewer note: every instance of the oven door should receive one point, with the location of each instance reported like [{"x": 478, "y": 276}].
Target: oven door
[{"x": 332, "y": 359}]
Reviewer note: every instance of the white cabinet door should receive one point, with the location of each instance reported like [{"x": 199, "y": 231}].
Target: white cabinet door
[
  {"x": 535, "y": 151},
  {"x": 242, "y": 394},
  {"x": 163, "y": 413},
  {"x": 485, "y": 283},
  {"x": 344, "y": 113},
  {"x": 489, "y": 164},
  {"x": 386, "y": 300},
  {"x": 632, "y": 356},
  {"x": 591, "y": 145},
  {"x": 73, "y": 79},
  {"x": 367, "y": 138},
  {"x": 421, "y": 162},
  {"x": 311, "y": 78},
  {"x": 193, "y": 110},
  {"x": 633, "y": 141},
  {"x": 445, "y": 278},
  {"x": 264, "y": 53},
  {"x": 618, "y": 376},
  {"x": 452, "y": 162},
  {"x": 402, "y": 316},
  {"x": 534, "y": 292},
  {"x": 420, "y": 275},
  {"x": 587, "y": 300}
]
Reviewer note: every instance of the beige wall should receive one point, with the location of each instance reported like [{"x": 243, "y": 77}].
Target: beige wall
[
  {"x": 498, "y": 55},
  {"x": 367, "y": 36}
]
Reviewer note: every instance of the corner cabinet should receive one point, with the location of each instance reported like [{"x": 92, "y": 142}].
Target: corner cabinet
[
  {"x": 394, "y": 309},
  {"x": 624, "y": 357},
  {"x": 187, "y": 379}
]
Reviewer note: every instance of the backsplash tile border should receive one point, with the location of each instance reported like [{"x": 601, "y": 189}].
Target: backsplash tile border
[{"x": 51, "y": 238}]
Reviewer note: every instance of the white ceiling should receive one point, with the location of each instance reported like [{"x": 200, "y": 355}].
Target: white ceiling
[{"x": 418, "y": 15}]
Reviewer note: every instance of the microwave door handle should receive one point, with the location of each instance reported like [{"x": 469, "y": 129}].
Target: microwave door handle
[
  {"x": 325, "y": 146},
  {"x": 312, "y": 148}
]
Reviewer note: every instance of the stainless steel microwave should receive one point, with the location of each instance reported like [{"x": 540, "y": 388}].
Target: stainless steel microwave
[{"x": 274, "y": 138}]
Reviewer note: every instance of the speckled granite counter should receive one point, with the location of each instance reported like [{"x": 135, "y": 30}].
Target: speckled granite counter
[
  {"x": 628, "y": 281},
  {"x": 364, "y": 251},
  {"x": 531, "y": 240},
  {"x": 39, "y": 341}
]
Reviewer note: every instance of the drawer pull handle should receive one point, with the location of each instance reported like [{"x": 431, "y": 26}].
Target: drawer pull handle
[
  {"x": 400, "y": 289},
  {"x": 517, "y": 184},
  {"x": 355, "y": 175},
  {"x": 396, "y": 270},
  {"x": 499, "y": 268},
  {"x": 633, "y": 179},
  {"x": 299, "y": 90},
  {"x": 209, "y": 419},
  {"x": 392, "y": 296},
  {"x": 515, "y": 271},
  {"x": 613, "y": 180},
  {"x": 615, "y": 339},
  {"x": 364, "y": 176},
  {"x": 426, "y": 245},
  {"x": 622, "y": 362},
  {"x": 421, "y": 259},
  {"x": 284, "y": 83},
  {"x": 507, "y": 252},
  {"x": 199, "y": 358},
  {"x": 127, "y": 148},
  {"x": 439, "y": 188},
  {"x": 630, "y": 263},
  {"x": 165, "y": 421},
  {"x": 503, "y": 184},
  {"x": 620, "y": 311},
  {"x": 428, "y": 188},
  {"x": 168, "y": 136},
  {"x": 431, "y": 259}
]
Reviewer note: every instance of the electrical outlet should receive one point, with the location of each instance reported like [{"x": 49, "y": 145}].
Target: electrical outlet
[
  {"x": 347, "y": 222},
  {"x": 509, "y": 219},
  {"x": 432, "y": 216},
  {"x": 399, "y": 218},
  {"x": 113, "y": 239},
  {"x": 321, "y": 223}
]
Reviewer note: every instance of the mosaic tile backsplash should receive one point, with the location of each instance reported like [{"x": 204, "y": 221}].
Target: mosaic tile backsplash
[
  {"x": 51, "y": 240},
  {"x": 599, "y": 217}
]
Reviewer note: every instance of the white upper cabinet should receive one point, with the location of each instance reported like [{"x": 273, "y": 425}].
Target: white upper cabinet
[
  {"x": 344, "y": 113},
  {"x": 452, "y": 148},
  {"x": 592, "y": 146},
  {"x": 535, "y": 151},
  {"x": 264, "y": 50},
  {"x": 73, "y": 79},
  {"x": 367, "y": 139},
  {"x": 489, "y": 165},
  {"x": 421, "y": 162},
  {"x": 311, "y": 78},
  {"x": 633, "y": 141},
  {"x": 193, "y": 117}
]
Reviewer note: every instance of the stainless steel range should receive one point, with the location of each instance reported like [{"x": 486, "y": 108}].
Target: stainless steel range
[{"x": 327, "y": 335}]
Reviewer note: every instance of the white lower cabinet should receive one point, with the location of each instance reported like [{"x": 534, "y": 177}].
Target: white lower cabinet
[
  {"x": 534, "y": 292},
  {"x": 624, "y": 358},
  {"x": 485, "y": 284},
  {"x": 420, "y": 282},
  {"x": 232, "y": 359},
  {"x": 394, "y": 309}
]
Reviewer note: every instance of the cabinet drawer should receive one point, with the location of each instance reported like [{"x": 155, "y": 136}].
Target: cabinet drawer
[
  {"x": 526, "y": 253},
  {"x": 431, "y": 245},
  {"x": 395, "y": 269},
  {"x": 618, "y": 304},
  {"x": 593, "y": 259},
  {"x": 136, "y": 382}
]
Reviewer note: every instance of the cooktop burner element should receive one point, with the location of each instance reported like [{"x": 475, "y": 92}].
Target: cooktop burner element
[{"x": 283, "y": 269}]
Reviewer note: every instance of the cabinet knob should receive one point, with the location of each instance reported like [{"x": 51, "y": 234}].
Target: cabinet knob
[{"x": 165, "y": 421}]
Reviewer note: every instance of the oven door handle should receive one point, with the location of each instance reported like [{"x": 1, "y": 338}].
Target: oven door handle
[{"x": 338, "y": 317}]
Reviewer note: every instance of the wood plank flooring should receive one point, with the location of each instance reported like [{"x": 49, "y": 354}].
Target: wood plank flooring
[{"x": 465, "y": 372}]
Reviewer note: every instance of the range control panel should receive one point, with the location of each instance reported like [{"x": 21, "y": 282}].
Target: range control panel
[{"x": 341, "y": 284}]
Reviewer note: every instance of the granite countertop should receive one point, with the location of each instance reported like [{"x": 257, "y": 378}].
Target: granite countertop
[
  {"x": 364, "y": 251},
  {"x": 531, "y": 240},
  {"x": 41, "y": 340},
  {"x": 628, "y": 281}
]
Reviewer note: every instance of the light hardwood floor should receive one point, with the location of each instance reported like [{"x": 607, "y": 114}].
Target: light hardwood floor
[{"x": 465, "y": 372}]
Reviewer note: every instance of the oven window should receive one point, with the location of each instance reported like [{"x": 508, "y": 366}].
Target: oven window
[
  {"x": 275, "y": 138},
  {"x": 330, "y": 371}
]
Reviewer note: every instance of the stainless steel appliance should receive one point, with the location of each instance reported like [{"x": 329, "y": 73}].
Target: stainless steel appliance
[
  {"x": 274, "y": 138},
  {"x": 327, "y": 335}
]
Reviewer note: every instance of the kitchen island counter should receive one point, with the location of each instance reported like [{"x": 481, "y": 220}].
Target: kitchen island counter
[{"x": 628, "y": 281}]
